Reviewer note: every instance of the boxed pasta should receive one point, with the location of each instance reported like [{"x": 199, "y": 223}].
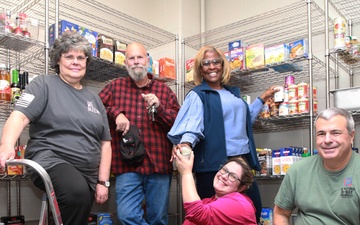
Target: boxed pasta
[
  {"x": 266, "y": 216},
  {"x": 92, "y": 37},
  {"x": 106, "y": 47},
  {"x": 276, "y": 164},
  {"x": 236, "y": 44},
  {"x": 277, "y": 54},
  {"x": 119, "y": 51},
  {"x": 237, "y": 59},
  {"x": 255, "y": 56},
  {"x": 167, "y": 68},
  {"x": 299, "y": 48},
  {"x": 189, "y": 66},
  {"x": 64, "y": 26}
]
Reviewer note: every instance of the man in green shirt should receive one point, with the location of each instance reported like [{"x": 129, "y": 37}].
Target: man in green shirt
[{"x": 324, "y": 187}]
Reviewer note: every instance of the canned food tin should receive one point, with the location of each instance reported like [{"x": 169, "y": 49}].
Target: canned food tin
[
  {"x": 289, "y": 80},
  {"x": 314, "y": 92},
  {"x": 284, "y": 109},
  {"x": 303, "y": 89},
  {"x": 339, "y": 32},
  {"x": 293, "y": 92},
  {"x": 315, "y": 104},
  {"x": 303, "y": 105},
  {"x": 293, "y": 107}
]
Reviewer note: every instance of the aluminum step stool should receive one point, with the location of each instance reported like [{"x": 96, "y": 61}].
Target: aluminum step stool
[{"x": 49, "y": 195}]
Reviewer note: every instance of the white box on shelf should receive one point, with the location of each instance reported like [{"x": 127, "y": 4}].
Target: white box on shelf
[{"x": 347, "y": 98}]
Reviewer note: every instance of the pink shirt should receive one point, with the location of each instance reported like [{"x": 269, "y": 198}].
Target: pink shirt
[{"x": 234, "y": 208}]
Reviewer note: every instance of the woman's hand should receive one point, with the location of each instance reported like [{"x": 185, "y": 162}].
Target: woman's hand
[{"x": 270, "y": 92}]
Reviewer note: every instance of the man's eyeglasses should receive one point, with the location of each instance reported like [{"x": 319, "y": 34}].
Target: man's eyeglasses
[
  {"x": 232, "y": 176},
  {"x": 207, "y": 62},
  {"x": 71, "y": 58}
]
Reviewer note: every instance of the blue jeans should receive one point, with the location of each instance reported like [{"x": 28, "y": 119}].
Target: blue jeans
[{"x": 132, "y": 188}]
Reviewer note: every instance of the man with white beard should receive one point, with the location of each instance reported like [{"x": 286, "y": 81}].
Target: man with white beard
[{"x": 152, "y": 107}]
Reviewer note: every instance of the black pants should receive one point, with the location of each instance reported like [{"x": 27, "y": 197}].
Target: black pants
[
  {"x": 74, "y": 195},
  {"x": 205, "y": 189}
]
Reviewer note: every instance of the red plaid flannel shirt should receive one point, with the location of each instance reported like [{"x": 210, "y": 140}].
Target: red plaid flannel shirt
[{"x": 123, "y": 96}]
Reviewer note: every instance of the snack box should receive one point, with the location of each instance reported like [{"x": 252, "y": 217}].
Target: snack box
[
  {"x": 299, "y": 48},
  {"x": 287, "y": 158},
  {"x": 255, "y": 56},
  {"x": 100, "y": 218},
  {"x": 237, "y": 59},
  {"x": 189, "y": 66},
  {"x": 92, "y": 37},
  {"x": 277, "y": 54},
  {"x": 119, "y": 52},
  {"x": 167, "y": 68},
  {"x": 106, "y": 47},
  {"x": 276, "y": 164},
  {"x": 266, "y": 216},
  {"x": 64, "y": 26},
  {"x": 235, "y": 45}
]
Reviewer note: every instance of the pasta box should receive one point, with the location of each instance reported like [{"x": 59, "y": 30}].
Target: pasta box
[
  {"x": 64, "y": 26},
  {"x": 92, "y": 37},
  {"x": 347, "y": 98},
  {"x": 266, "y": 216}
]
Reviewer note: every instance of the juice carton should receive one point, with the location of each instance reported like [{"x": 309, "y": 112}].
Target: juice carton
[{"x": 276, "y": 164}]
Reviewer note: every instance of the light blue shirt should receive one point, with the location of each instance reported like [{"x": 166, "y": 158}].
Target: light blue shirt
[{"x": 189, "y": 123}]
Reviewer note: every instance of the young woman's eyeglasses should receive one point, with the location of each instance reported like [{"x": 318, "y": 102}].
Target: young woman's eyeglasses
[
  {"x": 207, "y": 62},
  {"x": 232, "y": 176},
  {"x": 71, "y": 58}
]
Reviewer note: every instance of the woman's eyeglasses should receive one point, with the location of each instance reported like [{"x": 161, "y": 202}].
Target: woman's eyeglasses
[
  {"x": 231, "y": 176},
  {"x": 71, "y": 58},
  {"x": 207, "y": 62}
]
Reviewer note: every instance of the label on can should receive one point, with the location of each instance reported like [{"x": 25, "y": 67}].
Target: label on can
[
  {"x": 293, "y": 107},
  {"x": 293, "y": 92},
  {"x": 289, "y": 80},
  {"x": 303, "y": 90},
  {"x": 303, "y": 105}
]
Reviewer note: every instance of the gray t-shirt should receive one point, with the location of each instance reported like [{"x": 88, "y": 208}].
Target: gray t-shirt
[{"x": 67, "y": 125}]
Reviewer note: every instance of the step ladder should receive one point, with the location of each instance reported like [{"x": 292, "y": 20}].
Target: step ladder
[{"x": 48, "y": 197}]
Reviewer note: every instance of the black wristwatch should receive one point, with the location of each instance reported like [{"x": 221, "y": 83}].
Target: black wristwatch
[{"x": 105, "y": 183}]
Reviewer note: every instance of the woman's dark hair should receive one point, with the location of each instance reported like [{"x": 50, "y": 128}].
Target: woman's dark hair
[{"x": 66, "y": 42}]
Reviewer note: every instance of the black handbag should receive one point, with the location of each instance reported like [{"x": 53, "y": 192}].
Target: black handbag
[{"x": 131, "y": 147}]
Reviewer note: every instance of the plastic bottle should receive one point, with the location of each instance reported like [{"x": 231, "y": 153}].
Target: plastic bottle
[{"x": 4, "y": 83}]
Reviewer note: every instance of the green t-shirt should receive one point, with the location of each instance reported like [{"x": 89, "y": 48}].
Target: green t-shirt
[{"x": 322, "y": 197}]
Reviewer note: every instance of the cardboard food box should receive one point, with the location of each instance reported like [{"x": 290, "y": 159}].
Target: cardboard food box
[
  {"x": 119, "y": 51},
  {"x": 236, "y": 44},
  {"x": 255, "y": 56},
  {"x": 106, "y": 47},
  {"x": 237, "y": 60},
  {"x": 92, "y": 37},
  {"x": 287, "y": 158},
  {"x": 100, "y": 218},
  {"x": 266, "y": 216},
  {"x": 167, "y": 68},
  {"x": 64, "y": 26},
  {"x": 17, "y": 169},
  {"x": 277, "y": 54},
  {"x": 299, "y": 49},
  {"x": 189, "y": 66},
  {"x": 276, "y": 164},
  {"x": 156, "y": 67}
]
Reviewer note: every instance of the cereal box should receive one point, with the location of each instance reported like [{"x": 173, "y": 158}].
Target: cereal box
[
  {"x": 277, "y": 54},
  {"x": 266, "y": 216},
  {"x": 119, "y": 52},
  {"x": 287, "y": 158},
  {"x": 237, "y": 60},
  {"x": 92, "y": 37},
  {"x": 255, "y": 56},
  {"x": 167, "y": 68},
  {"x": 299, "y": 48},
  {"x": 235, "y": 45},
  {"x": 189, "y": 66},
  {"x": 106, "y": 47},
  {"x": 64, "y": 26},
  {"x": 276, "y": 164}
]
